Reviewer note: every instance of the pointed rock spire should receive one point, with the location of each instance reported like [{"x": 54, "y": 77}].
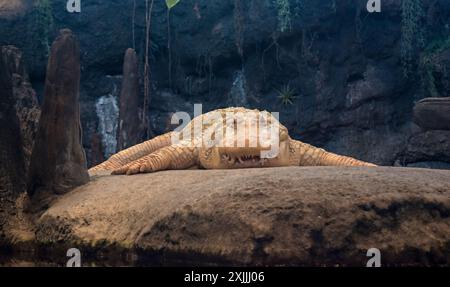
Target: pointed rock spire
[
  {"x": 130, "y": 130},
  {"x": 12, "y": 167},
  {"x": 58, "y": 161}
]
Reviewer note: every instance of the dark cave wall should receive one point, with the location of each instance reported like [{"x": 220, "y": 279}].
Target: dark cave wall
[
  {"x": 12, "y": 165},
  {"x": 343, "y": 64}
]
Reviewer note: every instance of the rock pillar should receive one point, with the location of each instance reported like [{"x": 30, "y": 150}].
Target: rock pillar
[{"x": 58, "y": 161}]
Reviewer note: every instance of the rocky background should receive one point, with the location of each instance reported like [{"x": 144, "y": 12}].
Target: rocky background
[
  {"x": 342, "y": 78},
  {"x": 373, "y": 86}
]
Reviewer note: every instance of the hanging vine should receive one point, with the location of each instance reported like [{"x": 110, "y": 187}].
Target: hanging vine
[
  {"x": 299, "y": 8},
  {"x": 133, "y": 24},
  {"x": 170, "y": 4},
  {"x": 239, "y": 27},
  {"x": 169, "y": 48},
  {"x": 148, "y": 20},
  {"x": 284, "y": 15},
  {"x": 40, "y": 25}
]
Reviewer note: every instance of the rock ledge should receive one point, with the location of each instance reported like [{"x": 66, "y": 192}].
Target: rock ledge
[{"x": 282, "y": 216}]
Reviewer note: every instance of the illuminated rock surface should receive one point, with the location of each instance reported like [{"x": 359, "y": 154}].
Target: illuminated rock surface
[{"x": 293, "y": 216}]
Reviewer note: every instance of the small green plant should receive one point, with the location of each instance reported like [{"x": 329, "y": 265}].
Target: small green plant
[
  {"x": 413, "y": 34},
  {"x": 171, "y": 3},
  {"x": 287, "y": 95}
]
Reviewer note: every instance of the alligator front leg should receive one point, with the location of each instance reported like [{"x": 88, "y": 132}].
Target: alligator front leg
[
  {"x": 171, "y": 157},
  {"x": 134, "y": 153}
]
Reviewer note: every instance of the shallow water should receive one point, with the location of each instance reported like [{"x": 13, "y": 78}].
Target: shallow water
[{"x": 56, "y": 256}]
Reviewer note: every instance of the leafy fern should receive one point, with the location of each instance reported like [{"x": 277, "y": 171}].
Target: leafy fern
[{"x": 287, "y": 95}]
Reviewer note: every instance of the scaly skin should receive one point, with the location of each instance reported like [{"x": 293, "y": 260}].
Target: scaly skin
[
  {"x": 160, "y": 154},
  {"x": 303, "y": 154},
  {"x": 134, "y": 153}
]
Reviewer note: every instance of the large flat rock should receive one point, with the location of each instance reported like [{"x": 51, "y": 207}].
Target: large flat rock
[
  {"x": 287, "y": 216},
  {"x": 433, "y": 113}
]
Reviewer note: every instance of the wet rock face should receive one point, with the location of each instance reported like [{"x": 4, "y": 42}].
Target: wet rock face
[
  {"x": 429, "y": 146},
  {"x": 311, "y": 216},
  {"x": 12, "y": 165},
  {"x": 58, "y": 161},
  {"x": 130, "y": 130},
  {"x": 26, "y": 102},
  {"x": 107, "y": 112}
]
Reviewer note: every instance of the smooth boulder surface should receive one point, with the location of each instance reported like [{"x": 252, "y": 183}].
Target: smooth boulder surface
[
  {"x": 280, "y": 216},
  {"x": 433, "y": 113}
]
